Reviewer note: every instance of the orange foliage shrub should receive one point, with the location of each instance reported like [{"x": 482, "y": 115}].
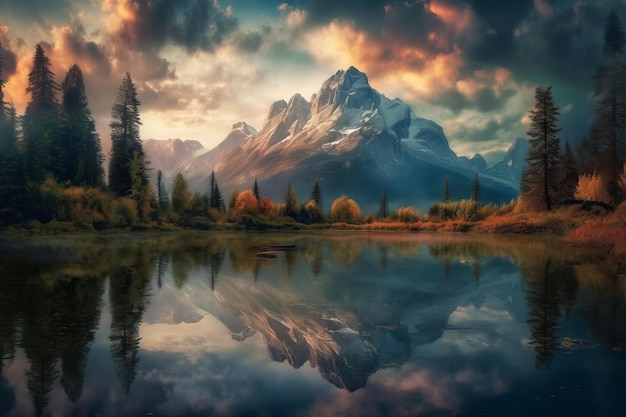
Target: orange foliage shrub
[{"x": 592, "y": 188}]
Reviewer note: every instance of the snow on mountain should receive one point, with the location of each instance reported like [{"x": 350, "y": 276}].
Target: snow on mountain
[{"x": 353, "y": 140}]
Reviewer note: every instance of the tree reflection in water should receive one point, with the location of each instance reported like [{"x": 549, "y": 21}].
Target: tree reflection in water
[{"x": 362, "y": 321}]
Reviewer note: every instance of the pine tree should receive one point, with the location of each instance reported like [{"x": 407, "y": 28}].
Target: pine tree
[
  {"x": 125, "y": 139},
  {"x": 255, "y": 190},
  {"x": 162, "y": 196},
  {"x": 609, "y": 124},
  {"x": 446, "y": 191},
  {"x": 215, "y": 196},
  {"x": 383, "y": 209},
  {"x": 11, "y": 178},
  {"x": 568, "y": 174},
  {"x": 543, "y": 154},
  {"x": 83, "y": 153},
  {"x": 475, "y": 196},
  {"x": 316, "y": 195},
  {"x": 140, "y": 189},
  {"x": 43, "y": 150}
]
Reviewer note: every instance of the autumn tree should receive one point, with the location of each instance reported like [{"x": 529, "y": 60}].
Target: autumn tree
[
  {"x": 345, "y": 210},
  {"x": 83, "y": 153},
  {"x": 543, "y": 154},
  {"x": 232, "y": 202},
  {"x": 609, "y": 124},
  {"x": 181, "y": 197},
  {"x": 125, "y": 139},
  {"x": 383, "y": 209},
  {"x": 43, "y": 150},
  {"x": 247, "y": 203},
  {"x": 292, "y": 205}
]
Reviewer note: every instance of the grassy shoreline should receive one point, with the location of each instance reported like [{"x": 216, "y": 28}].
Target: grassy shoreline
[{"x": 606, "y": 231}]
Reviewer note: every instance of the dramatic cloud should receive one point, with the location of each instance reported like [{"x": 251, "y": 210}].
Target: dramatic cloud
[{"x": 151, "y": 24}]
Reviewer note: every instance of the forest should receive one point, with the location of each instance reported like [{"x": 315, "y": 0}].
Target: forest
[{"x": 52, "y": 176}]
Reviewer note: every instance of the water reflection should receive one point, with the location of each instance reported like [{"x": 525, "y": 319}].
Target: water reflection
[{"x": 351, "y": 306}]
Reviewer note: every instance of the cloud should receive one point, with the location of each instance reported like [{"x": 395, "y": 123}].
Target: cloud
[
  {"x": 250, "y": 41},
  {"x": 191, "y": 24},
  {"x": 9, "y": 58}
]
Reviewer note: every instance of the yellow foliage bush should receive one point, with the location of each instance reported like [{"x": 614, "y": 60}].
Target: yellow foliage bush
[
  {"x": 408, "y": 215},
  {"x": 592, "y": 188},
  {"x": 345, "y": 210}
]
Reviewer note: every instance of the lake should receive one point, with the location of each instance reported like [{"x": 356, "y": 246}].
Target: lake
[{"x": 324, "y": 324}]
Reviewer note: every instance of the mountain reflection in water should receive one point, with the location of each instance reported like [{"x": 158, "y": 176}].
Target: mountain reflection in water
[{"x": 409, "y": 324}]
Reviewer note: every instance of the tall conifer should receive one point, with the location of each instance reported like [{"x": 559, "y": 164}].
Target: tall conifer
[{"x": 125, "y": 139}]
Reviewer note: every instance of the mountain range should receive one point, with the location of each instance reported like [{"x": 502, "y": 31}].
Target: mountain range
[{"x": 352, "y": 140}]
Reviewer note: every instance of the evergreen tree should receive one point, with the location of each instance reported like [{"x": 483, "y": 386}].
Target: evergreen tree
[
  {"x": 383, "y": 209},
  {"x": 543, "y": 155},
  {"x": 292, "y": 206},
  {"x": 446, "y": 191},
  {"x": 609, "y": 124},
  {"x": 568, "y": 174},
  {"x": 124, "y": 137},
  {"x": 83, "y": 154},
  {"x": 316, "y": 195},
  {"x": 255, "y": 190},
  {"x": 162, "y": 196},
  {"x": 140, "y": 189},
  {"x": 215, "y": 196},
  {"x": 475, "y": 196},
  {"x": 11, "y": 173},
  {"x": 43, "y": 148}
]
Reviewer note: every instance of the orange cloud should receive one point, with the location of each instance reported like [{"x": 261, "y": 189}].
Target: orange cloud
[
  {"x": 419, "y": 72},
  {"x": 460, "y": 19}
]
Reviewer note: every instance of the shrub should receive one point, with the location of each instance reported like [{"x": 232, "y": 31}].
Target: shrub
[
  {"x": 468, "y": 210},
  {"x": 444, "y": 211},
  {"x": 345, "y": 210},
  {"x": 592, "y": 188},
  {"x": 408, "y": 215}
]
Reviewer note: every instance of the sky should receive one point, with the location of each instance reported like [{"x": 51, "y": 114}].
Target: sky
[{"x": 202, "y": 65}]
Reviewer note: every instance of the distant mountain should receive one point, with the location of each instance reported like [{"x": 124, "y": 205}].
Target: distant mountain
[
  {"x": 511, "y": 167},
  {"x": 169, "y": 155},
  {"x": 350, "y": 138}
]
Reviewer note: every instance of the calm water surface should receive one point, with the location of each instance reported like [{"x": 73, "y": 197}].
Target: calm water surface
[{"x": 333, "y": 324}]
